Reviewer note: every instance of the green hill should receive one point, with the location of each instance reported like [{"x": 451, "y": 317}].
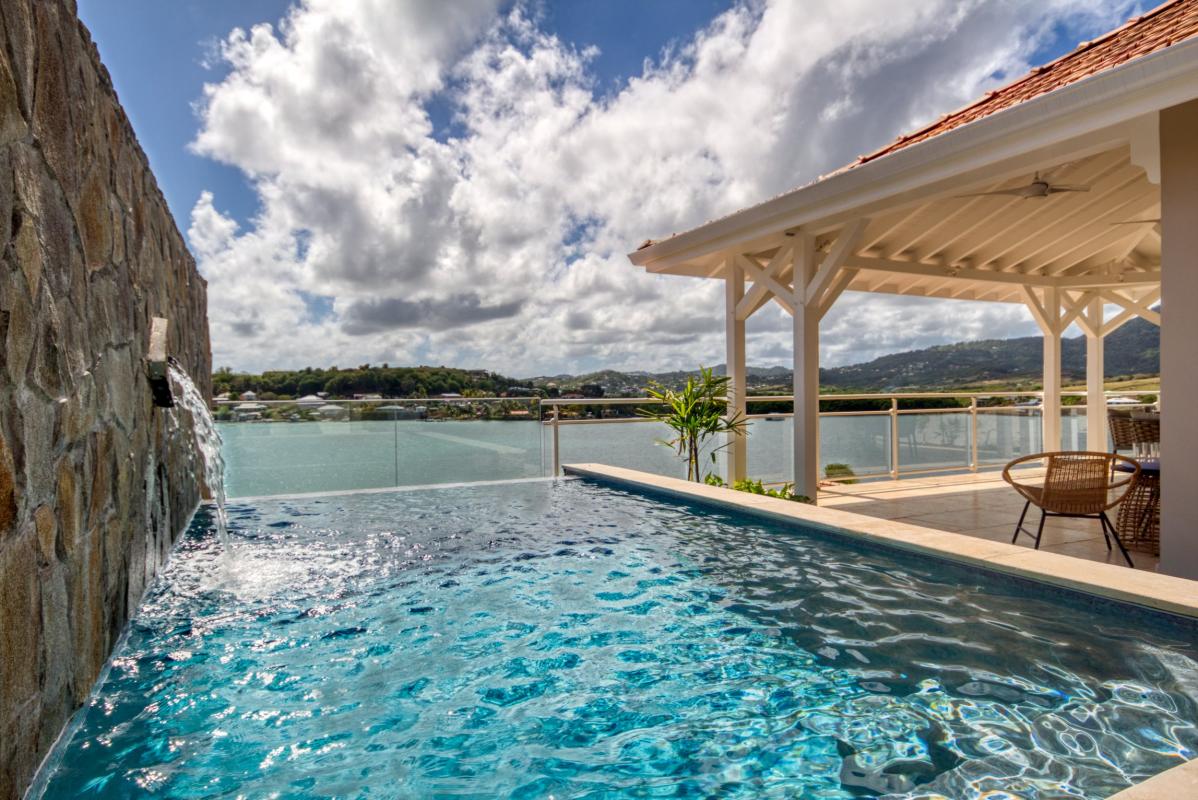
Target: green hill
[{"x": 1132, "y": 350}]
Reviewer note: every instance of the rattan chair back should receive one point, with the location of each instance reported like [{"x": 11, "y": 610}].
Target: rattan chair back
[
  {"x": 1122, "y": 431},
  {"x": 1146, "y": 428},
  {"x": 1075, "y": 483}
]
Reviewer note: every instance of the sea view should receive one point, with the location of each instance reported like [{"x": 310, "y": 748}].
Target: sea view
[{"x": 289, "y": 458}]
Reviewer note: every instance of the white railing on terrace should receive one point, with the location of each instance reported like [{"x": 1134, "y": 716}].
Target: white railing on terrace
[{"x": 893, "y": 413}]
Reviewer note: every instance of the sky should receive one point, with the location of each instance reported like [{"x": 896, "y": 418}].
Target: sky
[{"x": 459, "y": 183}]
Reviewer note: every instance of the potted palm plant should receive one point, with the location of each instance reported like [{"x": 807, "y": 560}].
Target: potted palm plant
[{"x": 695, "y": 413}]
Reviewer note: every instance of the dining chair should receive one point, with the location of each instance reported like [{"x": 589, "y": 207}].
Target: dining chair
[{"x": 1076, "y": 484}]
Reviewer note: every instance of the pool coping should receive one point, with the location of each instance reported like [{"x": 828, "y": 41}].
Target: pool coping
[
  {"x": 1114, "y": 582},
  {"x": 1160, "y": 592}
]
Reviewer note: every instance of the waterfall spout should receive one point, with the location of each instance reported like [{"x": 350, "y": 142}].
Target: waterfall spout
[
  {"x": 206, "y": 443},
  {"x": 156, "y": 364}
]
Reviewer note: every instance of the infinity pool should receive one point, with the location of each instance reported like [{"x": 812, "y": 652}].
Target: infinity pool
[{"x": 569, "y": 639}]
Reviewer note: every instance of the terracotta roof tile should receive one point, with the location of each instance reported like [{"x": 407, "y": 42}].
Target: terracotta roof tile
[
  {"x": 1165, "y": 25},
  {"x": 1172, "y": 22}
]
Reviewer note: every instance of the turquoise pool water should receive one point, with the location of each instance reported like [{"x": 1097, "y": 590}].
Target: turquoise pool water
[{"x": 569, "y": 639}]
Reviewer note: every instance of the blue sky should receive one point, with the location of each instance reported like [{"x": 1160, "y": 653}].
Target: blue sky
[
  {"x": 160, "y": 56},
  {"x": 459, "y": 183}
]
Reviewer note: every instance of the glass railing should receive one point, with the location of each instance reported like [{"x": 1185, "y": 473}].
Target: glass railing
[
  {"x": 285, "y": 447},
  {"x": 885, "y": 435},
  {"x": 280, "y": 447}
]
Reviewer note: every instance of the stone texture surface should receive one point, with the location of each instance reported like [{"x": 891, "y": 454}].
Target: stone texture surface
[{"x": 95, "y": 482}]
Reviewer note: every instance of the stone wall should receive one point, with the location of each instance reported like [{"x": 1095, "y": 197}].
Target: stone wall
[{"x": 94, "y": 481}]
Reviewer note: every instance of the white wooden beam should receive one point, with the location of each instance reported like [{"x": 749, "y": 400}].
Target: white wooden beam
[
  {"x": 736, "y": 452},
  {"x": 843, "y": 279},
  {"x": 934, "y": 271},
  {"x": 1139, "y": 308},
  {"x": 1050, "y": 407},
  {"x": 1118, "y": 321},
  {"x": 806, "y": 373},
  {"x": 1103, "y": 236},
  {"x": 1081, "y": 281},
  {"x": 1096, "y": 411},
  {"x": 1127, "y": 278},
  {"x": 1039, "y": 314},
  {"x": 845, "y": 243},
  {"x": 1078, "y": 209},
  {"x": 1076, "y": 310},
  {"x": 765, "y": 280}
]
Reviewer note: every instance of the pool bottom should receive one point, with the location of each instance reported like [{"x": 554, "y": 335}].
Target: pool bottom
[{"x": 569, "y": 639}]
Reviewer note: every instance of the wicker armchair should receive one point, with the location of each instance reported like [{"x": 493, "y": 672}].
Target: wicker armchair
[
  {"x": 1146, "y": 428},
  {"x": 1122, "y": 432},
  {"x": 1076, "y": 484}
]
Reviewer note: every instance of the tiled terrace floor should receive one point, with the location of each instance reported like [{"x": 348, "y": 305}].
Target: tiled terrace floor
[{"x": 980, "y": 505}]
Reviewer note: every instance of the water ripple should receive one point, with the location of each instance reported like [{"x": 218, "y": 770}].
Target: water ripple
[{"x": 568, "y": 640}]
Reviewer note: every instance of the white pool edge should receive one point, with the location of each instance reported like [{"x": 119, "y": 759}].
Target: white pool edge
[{"x": 1115, "y": 582}]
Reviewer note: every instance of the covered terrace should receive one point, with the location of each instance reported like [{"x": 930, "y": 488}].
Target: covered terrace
[{"x": 1072, "y": 191}]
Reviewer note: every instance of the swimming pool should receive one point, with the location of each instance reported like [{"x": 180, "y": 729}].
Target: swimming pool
[{"x": 571, "y": 639}]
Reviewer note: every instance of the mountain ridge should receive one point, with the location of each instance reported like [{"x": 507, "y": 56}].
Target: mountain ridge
[{"x": 1131, "y": 351}]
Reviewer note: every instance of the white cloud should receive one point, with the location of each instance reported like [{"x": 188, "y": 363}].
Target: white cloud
[{"x": 503, "y": 244}]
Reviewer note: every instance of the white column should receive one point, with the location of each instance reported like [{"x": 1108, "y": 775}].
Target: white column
[
  {"x": 736, "y": 454},
  {"x": 1050, "y": 410},
  {"x": 1096, "y": 424},
  {"x": 1179, "y": 333},
  {"x": 806, "y": 374}
]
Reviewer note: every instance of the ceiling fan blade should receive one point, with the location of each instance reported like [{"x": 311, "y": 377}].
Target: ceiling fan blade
[
  {"x": 1066, "y": 187},
  {"x": 1019, "y": 192},
  {"x": 1138, "y": 222}
]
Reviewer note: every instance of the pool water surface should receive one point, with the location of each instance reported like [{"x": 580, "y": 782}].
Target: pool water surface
[{"x": 570, "y": 639}]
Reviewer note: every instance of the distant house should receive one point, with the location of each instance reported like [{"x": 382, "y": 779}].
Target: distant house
[
  {"x": 403, "y": 412},
  {"x": 310, "y": 401},
  {"x": 368, "y": 397},
  {"x": 244, "y": 412},
  {"x": 332, "y": 411},
  {"x": 450, "y": 396},
  {"x": 222, "y": 397},
  {"x": 249, "y": 396}
]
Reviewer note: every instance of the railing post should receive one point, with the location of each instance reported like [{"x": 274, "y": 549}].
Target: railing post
[
  {"x": 973, "y": 434},
  {"x": 894, "y": 438},
  {"x": 557, "y": 458}
]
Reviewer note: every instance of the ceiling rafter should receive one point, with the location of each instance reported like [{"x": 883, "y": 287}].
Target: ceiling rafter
[
  {"x": 1100, "y": 230},
  {"x": 1105, "y": 166},
  {"x": 1043, "y": 233}
]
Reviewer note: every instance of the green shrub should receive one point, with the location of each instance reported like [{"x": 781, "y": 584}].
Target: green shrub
[{"x": 839, "y": 471}]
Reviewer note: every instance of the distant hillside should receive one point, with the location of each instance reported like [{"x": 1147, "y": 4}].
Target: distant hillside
[{"x": 1133, "y": 350}]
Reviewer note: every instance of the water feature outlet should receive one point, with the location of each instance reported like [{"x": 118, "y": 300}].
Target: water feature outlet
[{"x": 156, "y": 364}]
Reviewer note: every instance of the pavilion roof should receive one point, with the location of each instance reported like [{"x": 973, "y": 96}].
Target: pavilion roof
[{"x": 1172, "y": 22}]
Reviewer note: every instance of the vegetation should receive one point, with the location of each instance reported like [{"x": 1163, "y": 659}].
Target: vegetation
[
  {"x": 384, "y": 380},
  {"x": 786, "y": 492},
  {"x": 695, "y": 413},
  {"x": 843, "y": 472}
]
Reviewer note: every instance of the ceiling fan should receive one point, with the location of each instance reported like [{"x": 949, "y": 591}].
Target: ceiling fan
[
  {"x": 1156, "y": 221},
  {"x": 1039, "y": 187}
]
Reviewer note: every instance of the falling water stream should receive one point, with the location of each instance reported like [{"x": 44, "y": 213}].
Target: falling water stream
[{"x": 207, "y": 445}]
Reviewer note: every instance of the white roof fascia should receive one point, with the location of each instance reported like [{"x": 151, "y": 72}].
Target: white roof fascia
[{"x": 1080, "y": 115}]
